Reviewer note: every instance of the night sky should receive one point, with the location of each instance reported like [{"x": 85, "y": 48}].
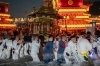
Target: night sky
[{"x": 17, "y": 8}]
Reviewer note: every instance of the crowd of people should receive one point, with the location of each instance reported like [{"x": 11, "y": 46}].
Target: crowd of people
[
  {"x": 72, "y": 48},
  {"x": 60, "y": 48}
]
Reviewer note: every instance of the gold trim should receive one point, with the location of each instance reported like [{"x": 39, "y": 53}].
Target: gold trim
[
  {"x": 70, "y": 2},
  {"x": 3, "y": 3}
]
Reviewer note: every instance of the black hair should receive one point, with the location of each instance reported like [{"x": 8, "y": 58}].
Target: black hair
[
  {"x": 72, "y": 37},
  {"x": 50, "y": 36},
  {"x": 88, "y": 32},
  {"x": 83, "y": 33}
]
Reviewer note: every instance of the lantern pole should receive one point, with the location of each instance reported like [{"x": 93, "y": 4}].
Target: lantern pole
[
  {"x": 94, "y": 21},
  {"x": 65, "y": 17}
]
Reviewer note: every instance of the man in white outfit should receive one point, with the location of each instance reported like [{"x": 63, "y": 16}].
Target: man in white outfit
[
  {"x": 27, "y": 48},
  {"x": 9, "y": 46},
  {"x": 22, "y": 51},
  {"x": 56, "y": 45},
  {"x": 71, "y": 51},
  {"x": 97, "y": 40},
  {"x": 98, "y": 47},
  {"x": 35, "y": 49},
  {"x": 1, "y": 47},
  {"x": 15, "y": 48},
  {"x": 84, "y": 47},
  {"x": 4, "y": 49}
]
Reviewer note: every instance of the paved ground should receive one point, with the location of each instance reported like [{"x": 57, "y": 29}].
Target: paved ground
[{"x": 27, "y": 61}]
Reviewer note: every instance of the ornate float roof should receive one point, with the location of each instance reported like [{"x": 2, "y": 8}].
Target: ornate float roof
[
  {"x": 3, "y": 3},
  {"x": 43, "y": 10}
]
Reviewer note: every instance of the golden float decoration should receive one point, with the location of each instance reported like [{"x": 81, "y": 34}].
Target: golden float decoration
[{"x": 70, "y": 2}]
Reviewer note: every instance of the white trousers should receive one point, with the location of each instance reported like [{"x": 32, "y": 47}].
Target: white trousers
[
  {"x": 55, "y": 55},
  {"x": 27, "y": 46},
  {"x": 21, "y": 52},
  {"x": 25, "y": 49},
  {"x": 0, "y": 52},
  {"x": 35, "y": 57},
  {"x": 15, "y": 55},
  {"x": 75, "y": 58},
  {"x": 67, "y": 59},
  {"x": 8, "y": 53},
  {"x": 3, "y": 54}
]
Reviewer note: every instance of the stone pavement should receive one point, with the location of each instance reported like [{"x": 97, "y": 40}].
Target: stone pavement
[{"x": 27, "y": 61}]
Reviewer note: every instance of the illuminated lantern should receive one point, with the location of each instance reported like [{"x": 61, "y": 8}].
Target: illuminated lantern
[
  {"x": 6, "y": 8},
  {"x": 92, "y": 55},
  {"x": 59, "y": 3},
  {"x": 80, "y": 3},
  {"x": 70, "y": 3}
]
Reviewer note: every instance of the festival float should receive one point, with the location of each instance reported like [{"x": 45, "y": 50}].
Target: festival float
[
  {"x": 5, "y": 20},
  {"x": 75, "y": 15},
  {"x": 44, "y": 19}
]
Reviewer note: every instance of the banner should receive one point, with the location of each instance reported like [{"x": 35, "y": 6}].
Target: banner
[{"x": 70, "y": 3}]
